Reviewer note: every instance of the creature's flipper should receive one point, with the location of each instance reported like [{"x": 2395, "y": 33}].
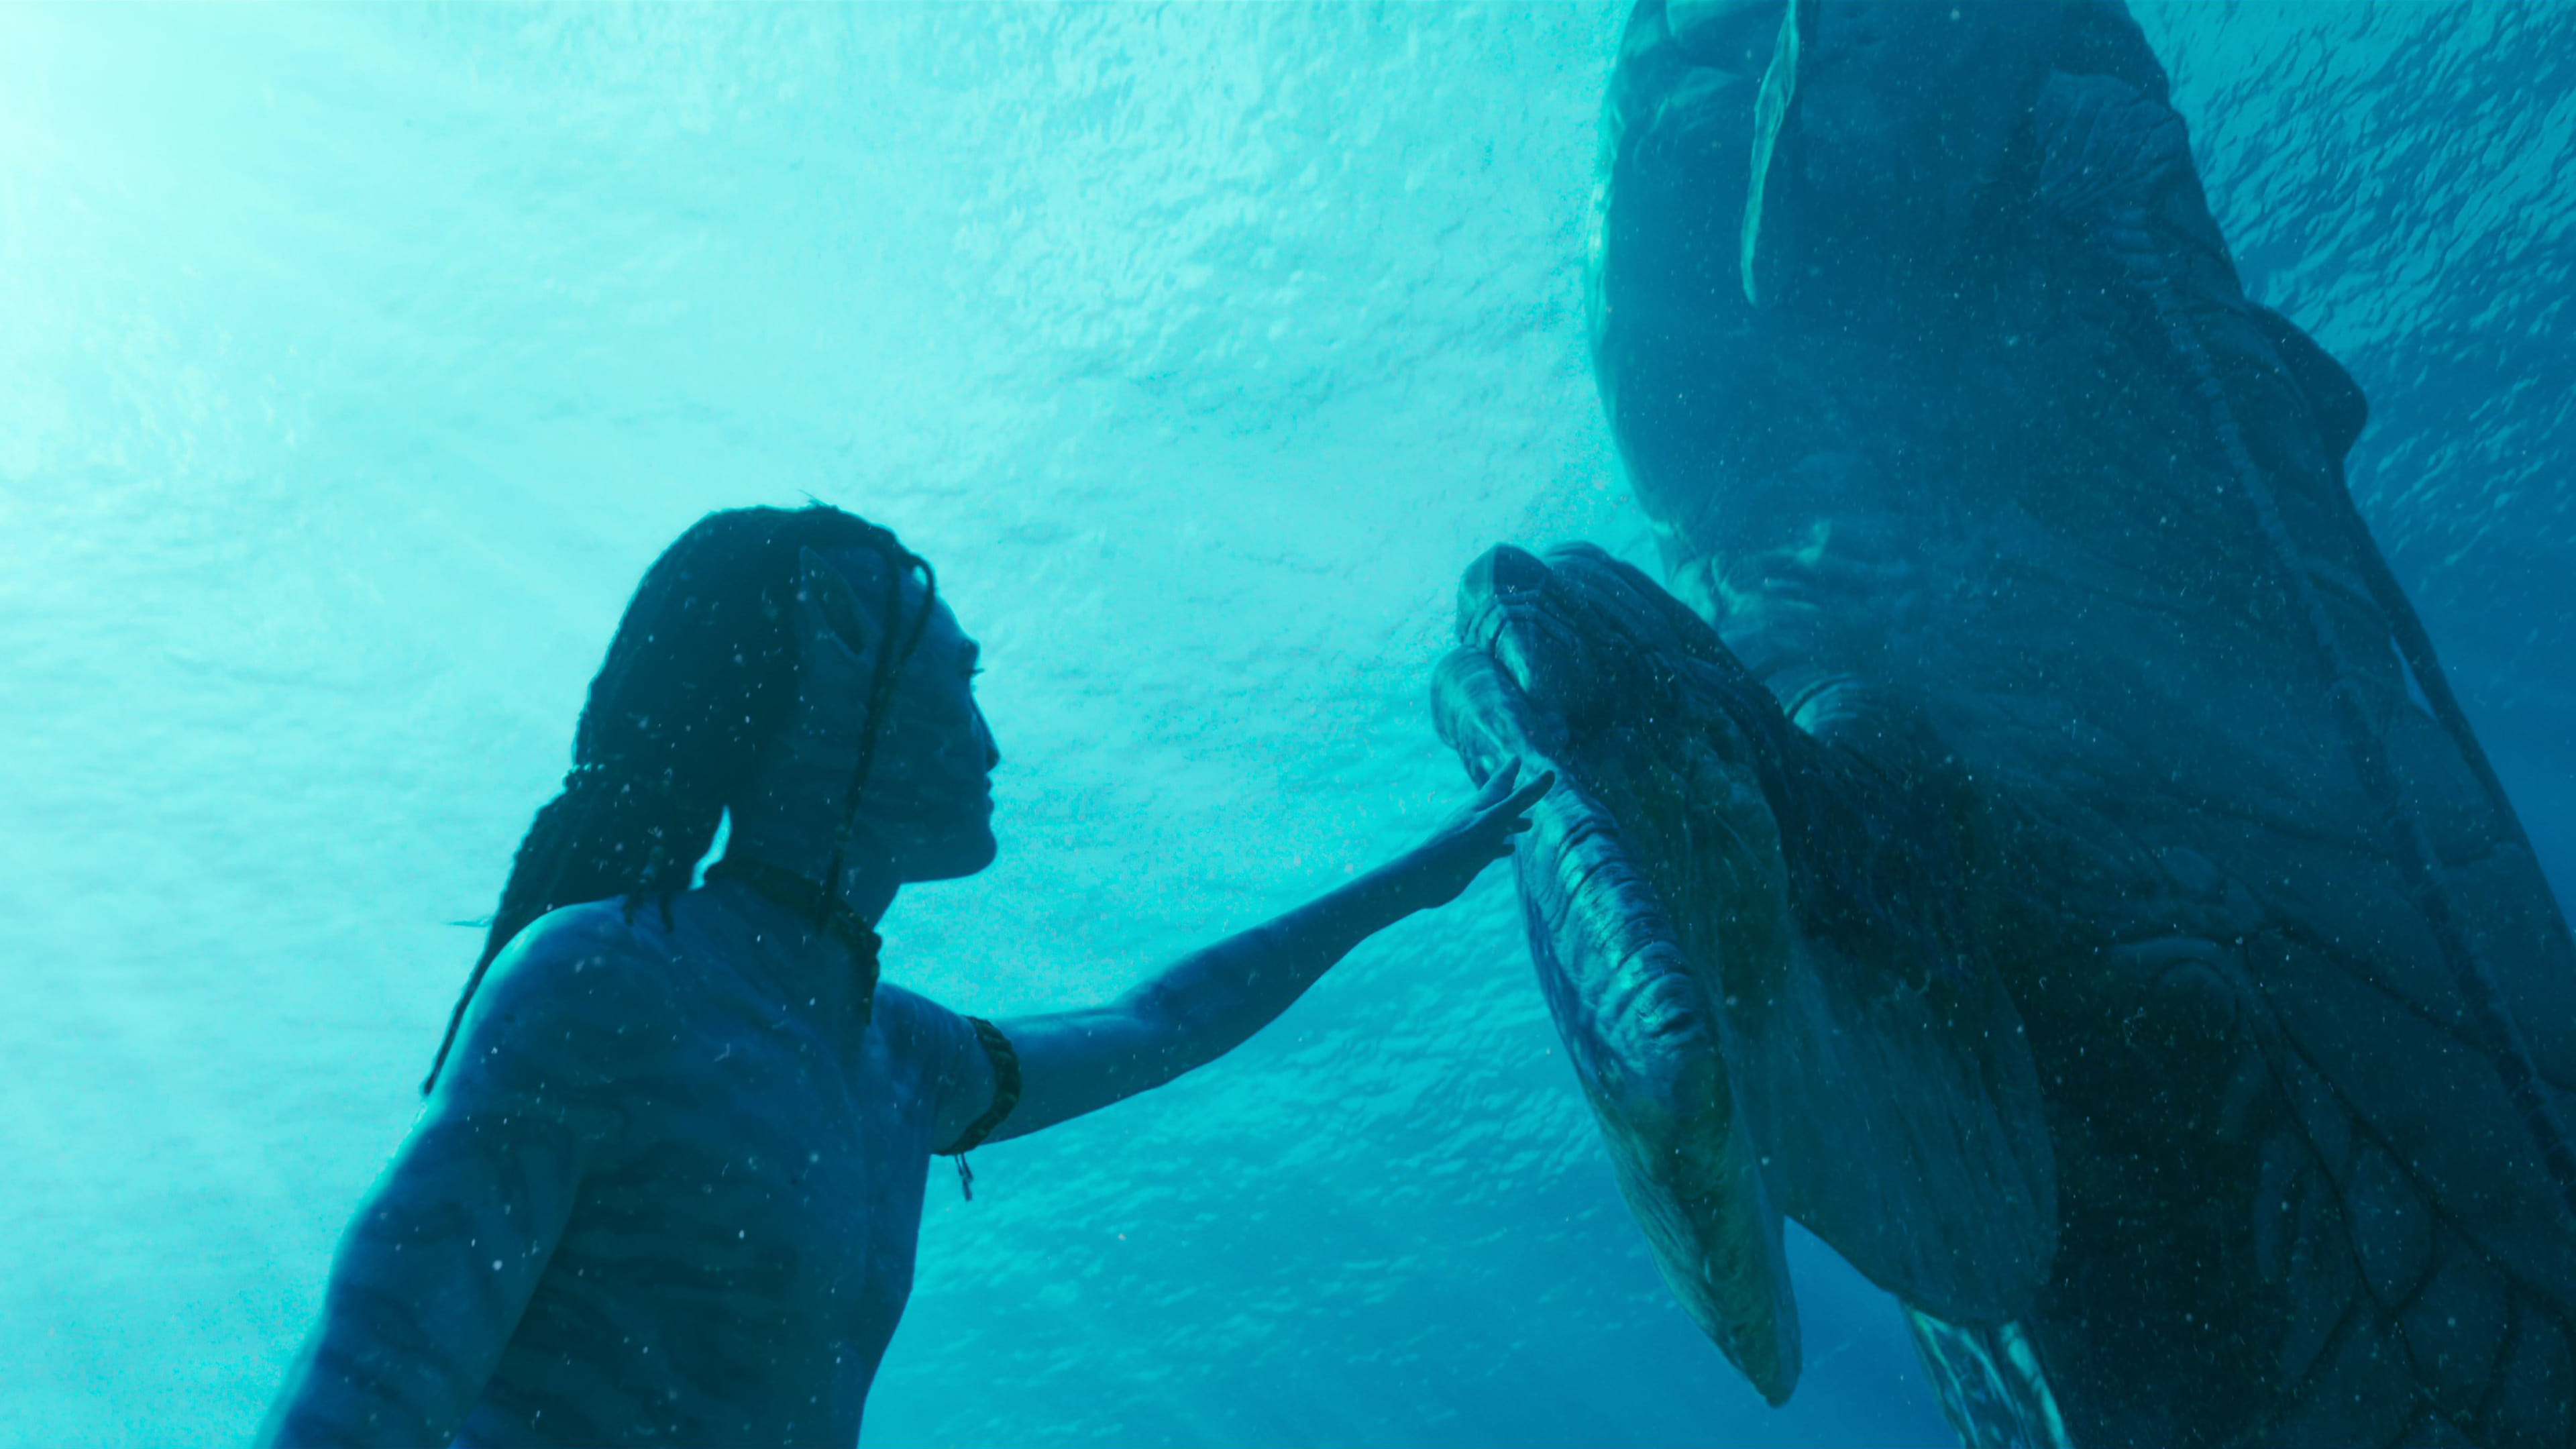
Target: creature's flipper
[
  {"x": 1793, "y": 906},
  {"x": 1642, "y": 1030},
  {"x": 1991, "y": 1385}
]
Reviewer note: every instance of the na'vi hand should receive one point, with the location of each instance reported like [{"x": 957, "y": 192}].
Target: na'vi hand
[{"x": 1474, "y": 836}]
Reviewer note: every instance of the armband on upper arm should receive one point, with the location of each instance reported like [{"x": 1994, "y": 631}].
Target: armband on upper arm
[{"x": 1006, "y": 1087}]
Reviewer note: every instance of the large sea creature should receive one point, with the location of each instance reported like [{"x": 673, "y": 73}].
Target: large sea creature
[{"x": 2026, "y": 838}]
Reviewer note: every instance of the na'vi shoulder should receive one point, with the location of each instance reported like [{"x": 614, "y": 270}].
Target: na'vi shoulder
[{"x": 579, "y": 1002}]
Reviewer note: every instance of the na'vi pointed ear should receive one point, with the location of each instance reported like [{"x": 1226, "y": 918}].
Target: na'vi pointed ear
[{"x": 827, "y": 607}]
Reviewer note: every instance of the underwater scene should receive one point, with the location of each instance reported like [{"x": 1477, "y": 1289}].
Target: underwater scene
[{"x": 1682, "y": 723}]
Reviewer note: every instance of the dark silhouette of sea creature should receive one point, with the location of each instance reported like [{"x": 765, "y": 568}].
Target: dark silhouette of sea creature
[{"x": 2032, "y": 843}]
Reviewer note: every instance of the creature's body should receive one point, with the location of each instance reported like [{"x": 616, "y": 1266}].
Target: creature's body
[{"x": 2049, "y": 946}]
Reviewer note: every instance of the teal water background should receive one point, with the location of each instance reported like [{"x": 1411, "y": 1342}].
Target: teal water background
[{"x": 354, "y": 361}]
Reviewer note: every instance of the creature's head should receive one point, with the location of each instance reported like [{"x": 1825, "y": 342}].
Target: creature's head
[
  {"x": 1651, "y": 885},
  {"x": 1740, "y": 940},
  {"x": 1588, "y": 638},
  {"x": 1650, "y": 713}
]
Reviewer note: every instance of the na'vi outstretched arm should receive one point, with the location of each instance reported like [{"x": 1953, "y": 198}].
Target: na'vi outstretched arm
[{"x": 1212, "y": 1000}]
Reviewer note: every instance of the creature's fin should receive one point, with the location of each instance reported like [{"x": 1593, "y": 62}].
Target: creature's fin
[
  {"x": 1770, "y": 113},
  {"x": 1991, "y": 1385}
]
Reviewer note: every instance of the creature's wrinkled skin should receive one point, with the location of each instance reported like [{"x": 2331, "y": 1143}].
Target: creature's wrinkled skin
[{"x": 1971, "y": 857}]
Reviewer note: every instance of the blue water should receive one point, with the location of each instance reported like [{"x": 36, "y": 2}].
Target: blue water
[{"x": 354, "y": 361}]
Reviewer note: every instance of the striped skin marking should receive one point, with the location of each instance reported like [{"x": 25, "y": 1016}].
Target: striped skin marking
[{"x": 658, "y": 1197}]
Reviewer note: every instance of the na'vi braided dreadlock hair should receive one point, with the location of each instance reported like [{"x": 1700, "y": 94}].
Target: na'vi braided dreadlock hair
[{"x": 697, "y": 681}]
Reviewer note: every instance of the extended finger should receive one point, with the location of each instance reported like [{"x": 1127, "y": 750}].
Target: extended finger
[{"x": 1499, "y": 783}]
